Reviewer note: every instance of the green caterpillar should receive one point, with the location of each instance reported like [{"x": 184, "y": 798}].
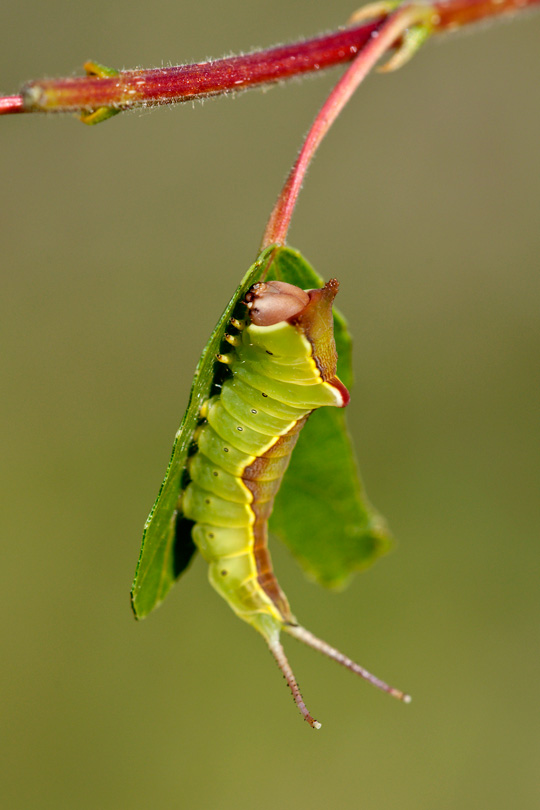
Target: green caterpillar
[{"x": 281, "y": 368}]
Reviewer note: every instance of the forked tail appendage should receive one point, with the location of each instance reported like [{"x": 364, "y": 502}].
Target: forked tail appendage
[
  {"x": 279, "y": 654},
  {"x": 312, "y": 641}
]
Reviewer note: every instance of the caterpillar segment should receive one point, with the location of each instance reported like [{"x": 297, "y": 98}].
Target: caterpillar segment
[{"x": 281, "y": 368}]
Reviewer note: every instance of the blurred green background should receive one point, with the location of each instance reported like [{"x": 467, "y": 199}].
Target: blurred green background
[{"x": 120, "y": 246}]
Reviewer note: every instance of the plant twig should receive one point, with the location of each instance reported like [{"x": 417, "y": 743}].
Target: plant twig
[
  {"x": 11, "y": 104},
  {"x": 140, "y": 88}
]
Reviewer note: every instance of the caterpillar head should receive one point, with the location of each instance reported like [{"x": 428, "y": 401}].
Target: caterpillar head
[
  {"x": 310, "y": 312},
  {"x": 273, "y": 301}
]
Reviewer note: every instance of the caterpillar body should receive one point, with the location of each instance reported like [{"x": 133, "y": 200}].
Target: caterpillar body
[{"x": 282, "y": 366}]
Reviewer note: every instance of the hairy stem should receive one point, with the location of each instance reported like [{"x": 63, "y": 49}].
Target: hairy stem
[{"x": 136, "y": 88}]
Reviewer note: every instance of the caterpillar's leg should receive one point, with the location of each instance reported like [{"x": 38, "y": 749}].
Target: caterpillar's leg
[
  {"x": 234, "y": 340},
  {"x": 225, "y": 358}
]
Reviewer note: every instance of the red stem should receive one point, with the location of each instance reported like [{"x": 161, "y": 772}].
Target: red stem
[
  {"x": 186, "y": 82},
  {"x": 280, "y": 218},
  {"x": 168, "y": 85},
  {"x": 11, "y": 104}
]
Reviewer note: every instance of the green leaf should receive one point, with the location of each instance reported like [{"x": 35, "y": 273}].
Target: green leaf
[
  {"x": 321, "y": 512},
  {"x": 167, "y": 547}
]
